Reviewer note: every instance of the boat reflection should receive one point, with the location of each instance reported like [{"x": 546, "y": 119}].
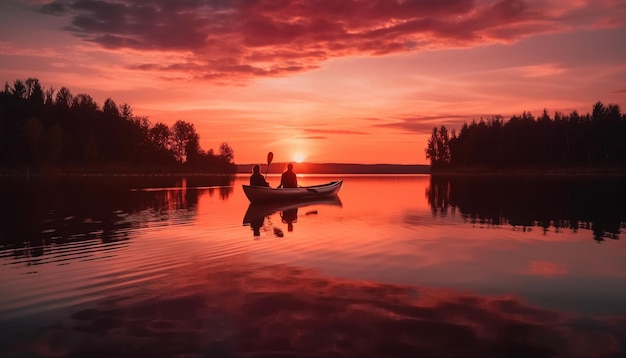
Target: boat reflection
[{"x": 257, "y": 213}]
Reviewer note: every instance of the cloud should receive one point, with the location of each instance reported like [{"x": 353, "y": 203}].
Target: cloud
[
  {"x": 425, "y": 124},
  {"x": 224, "y": 40},
  {"x": 545, "y": 268},
  {"x": 623, "y": 90},
  {"x": 313, "y": 137},
  {"x": 54, "y": 8},
  {"x": 333, "y": 131},
  {"x": 10, "y": 49},
  {"x": 543, "y": 70}
]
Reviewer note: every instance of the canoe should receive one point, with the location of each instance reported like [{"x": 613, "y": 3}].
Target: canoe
[
  {"x": 259, "y": 210},
  {"x": 263, "y": 194}
]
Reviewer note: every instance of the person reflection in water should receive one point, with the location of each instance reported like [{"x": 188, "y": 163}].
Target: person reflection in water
[
  {"x": 288, "y": 179},
  {"x": 256, "y": 224},
  {"x": 256, "y": 179},
  {"x": 289, "y": 217}
]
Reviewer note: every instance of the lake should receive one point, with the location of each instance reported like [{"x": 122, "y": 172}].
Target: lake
[{"x": 395, "y": 266}]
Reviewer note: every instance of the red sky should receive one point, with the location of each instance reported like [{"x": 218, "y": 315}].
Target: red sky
[{"x": 360, "y": 81}]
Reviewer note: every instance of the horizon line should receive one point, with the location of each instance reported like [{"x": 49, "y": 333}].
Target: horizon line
[{"x": 327, "y": 163}]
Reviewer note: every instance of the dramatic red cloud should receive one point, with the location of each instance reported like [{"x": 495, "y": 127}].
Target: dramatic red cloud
[{"x": 238, "y": 40}]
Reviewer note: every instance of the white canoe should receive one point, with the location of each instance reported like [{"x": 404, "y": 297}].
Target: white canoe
[{"x": 261, "y": 193}]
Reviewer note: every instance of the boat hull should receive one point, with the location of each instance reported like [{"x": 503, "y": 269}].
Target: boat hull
[{"x": 265, "y": 194}]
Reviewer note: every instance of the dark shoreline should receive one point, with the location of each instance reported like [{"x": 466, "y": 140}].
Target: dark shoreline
[
  {"x": 530, "y": 172},
  {"x": 111, "y": 174},
  {"x": 318, "y": 168},
  {"x": 77, "y": 171}
]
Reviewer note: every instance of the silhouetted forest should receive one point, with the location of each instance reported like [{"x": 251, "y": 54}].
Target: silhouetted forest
[
  {"x": 46, "y": 130},
  {"x": 596, "y": 140}
]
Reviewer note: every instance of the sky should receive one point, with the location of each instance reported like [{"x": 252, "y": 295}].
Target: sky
[{"x": 350, "y": 81}]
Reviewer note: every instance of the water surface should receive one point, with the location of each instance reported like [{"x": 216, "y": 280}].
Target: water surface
[{"x": 394, "y": 266}]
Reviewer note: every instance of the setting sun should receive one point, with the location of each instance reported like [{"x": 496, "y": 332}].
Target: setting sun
[{"x": 298, "y": 158}]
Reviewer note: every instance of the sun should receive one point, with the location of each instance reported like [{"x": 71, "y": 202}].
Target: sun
[{"x": 298, "y": 158}]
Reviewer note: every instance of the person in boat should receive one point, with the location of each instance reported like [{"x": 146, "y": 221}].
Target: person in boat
[
  {"x": 256, "y": 179},
  {"x": 288, "y": 179}
]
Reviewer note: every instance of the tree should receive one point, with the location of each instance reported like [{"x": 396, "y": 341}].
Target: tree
[
  {"x": 33, "y": 133},
  {"x": 431, "y": 148},
  {"x": 109, "y": 108},
  {"x": 48, "y": 96},
  {"x": 19, "y": 89},
  {"x": 64, "y": 98},
  {"x": 226, "y": 153},
  {"x": 52, "y": 145},
  {"x": 182, "y": 134},
  {"x": 34, "y": 92},
  {"x": 84, "y": 102},
  {"x": 443, "y": 148},
  {"x": 599, "y": 111},
  {"x": 193, "y": 152},
  {"x": 438, "y": 149},
  {"x": 126, "y": 111},
  {"x": 159, "y": 135}
]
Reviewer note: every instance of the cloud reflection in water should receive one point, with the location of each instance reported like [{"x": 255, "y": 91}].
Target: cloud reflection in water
[{"x": 253, "y": 311}]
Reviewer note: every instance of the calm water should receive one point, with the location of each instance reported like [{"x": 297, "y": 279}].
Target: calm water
[{"x": 395, "y": 266}]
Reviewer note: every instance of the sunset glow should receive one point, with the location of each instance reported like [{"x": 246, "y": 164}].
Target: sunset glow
[{"x": 360, "y": 81}]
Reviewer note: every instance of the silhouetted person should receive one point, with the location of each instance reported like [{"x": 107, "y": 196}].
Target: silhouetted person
[
  {"x": 288, "y": 179},
  {"x": 256, "y": 179},
  {"x": 289, "y": 217}
]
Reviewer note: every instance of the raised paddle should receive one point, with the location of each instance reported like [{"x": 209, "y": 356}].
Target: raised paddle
[{"x": 270, "y": 156}]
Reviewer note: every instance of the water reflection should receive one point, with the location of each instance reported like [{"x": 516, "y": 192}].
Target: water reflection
[
  {"x": 257, "y": 213},
  {"x": 352, "y": 281},
  {"x": 281, "y": 310},
  {"x": 569, "y": 203},
  {"x": 39, "y": 213},
  {"x": 289, "y": 217}
]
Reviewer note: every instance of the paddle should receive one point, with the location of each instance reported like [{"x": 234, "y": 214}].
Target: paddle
[{"x": 270, "y": 156}]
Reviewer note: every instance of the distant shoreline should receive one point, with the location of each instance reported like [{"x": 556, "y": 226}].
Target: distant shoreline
[
  {"x": 570, "y": 171},
  {"x": 339, "y": 168},
  {"x": 322, "y": 168},
  {"x": 275, "y": 168}
]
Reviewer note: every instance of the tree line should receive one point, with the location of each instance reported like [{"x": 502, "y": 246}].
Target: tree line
[
  {"x": 43, "y": 129},
  {"x": 591, "y": 140}
]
